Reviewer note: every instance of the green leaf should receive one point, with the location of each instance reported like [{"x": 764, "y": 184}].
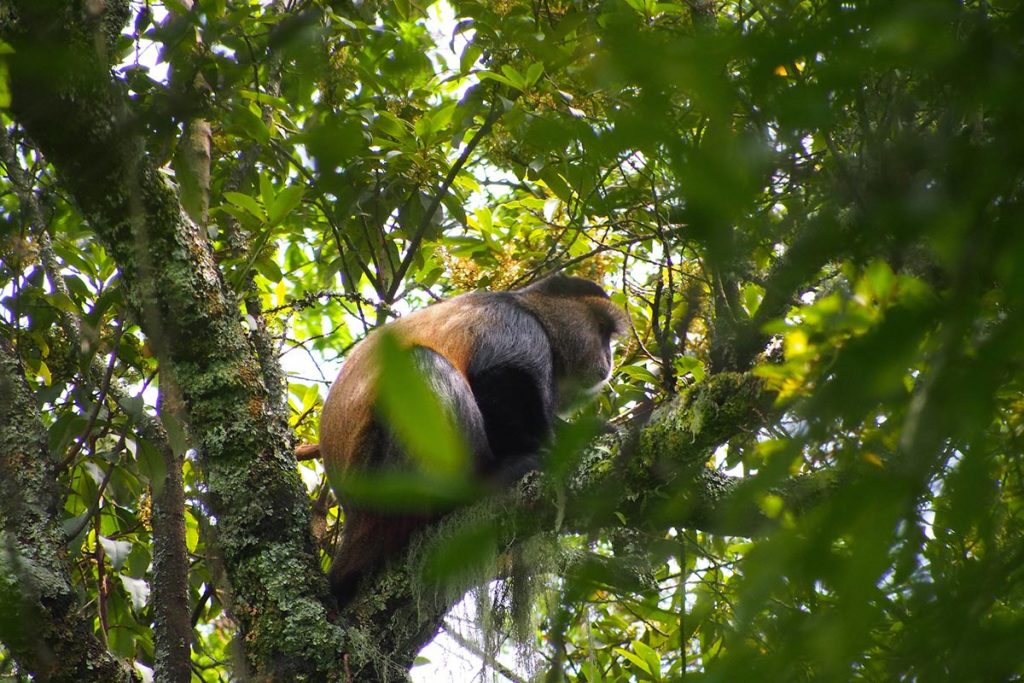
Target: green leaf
[
  {"x": 177, "y": 436},
  {"x": 636, "y": 661},
  {"x": 491, "y": 76},
  {"x": 470, "y": 56},
  {"x": 514, "y": 77},
  {"x": 310, "y": 397},
  {"x": 466, "y": 552},
  {"x": 267, "y": 193},
  {"x": 191, "y": 532},
  {"x": 252, "y": 123},
  {"x": 439, "y": 120},
  {"x": 533, "y": 73},
  {"x": 880, "y": 280},
  {"x": 268, "y": 268},
  {"x": 117, "y": 551},
  {"x": 264, "y": 98},
  {"x": 650, "y": 657},
  {"x": 690, "y": 365},
  {"x": 389, "y": 124},
  {"x": 43, "y": 370},
  {"x": 250, "y": 205},
  {"x": 285, "y": 203},
  {"x": 152, "y": 465},
  {"x": 641, "y": 373},
  {"x": 557, "y": 183},
  {"x": 137, "y": 590},
  {"x": 592, "y": 670},
  {"x": 5, "y": 86},
  {"x": 752, "y": 294}
]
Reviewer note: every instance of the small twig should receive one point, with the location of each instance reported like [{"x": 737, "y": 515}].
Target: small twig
[{"x": 76, "y": 448}]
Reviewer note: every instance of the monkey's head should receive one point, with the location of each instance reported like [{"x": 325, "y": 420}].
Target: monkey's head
[{"x": 580, "y": 321}]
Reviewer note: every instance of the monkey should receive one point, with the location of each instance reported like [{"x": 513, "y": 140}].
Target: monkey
[{"x": 504, "y": 365}]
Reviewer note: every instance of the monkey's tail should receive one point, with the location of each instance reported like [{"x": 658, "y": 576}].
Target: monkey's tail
[{"x": 368, "y": 541}]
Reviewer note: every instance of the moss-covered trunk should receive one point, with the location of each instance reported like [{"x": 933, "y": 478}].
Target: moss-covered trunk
[{"x": 77, "y": 114}]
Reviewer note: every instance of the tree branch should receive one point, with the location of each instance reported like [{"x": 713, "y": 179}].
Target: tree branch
[{"x": 414, "y": 245}]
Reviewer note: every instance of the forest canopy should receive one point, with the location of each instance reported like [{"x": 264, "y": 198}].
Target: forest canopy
[{"x": 806, "y": 464}]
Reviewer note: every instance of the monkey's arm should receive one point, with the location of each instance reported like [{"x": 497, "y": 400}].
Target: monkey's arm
[
  {"x": 517, "y": 420},
  {"x": 511, "y": 379}
]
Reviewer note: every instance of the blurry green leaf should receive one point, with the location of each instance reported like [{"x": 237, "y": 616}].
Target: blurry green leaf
[
  {"x": 637, "y": 661},
  {"x": 177, "y": 435},
  {"x": 490, "y": 75},
  {"x": 191, "y": 532},
  {"x": 390, "y": 124},
  {"x": 407, "y": 491},
  {"x": 469, "y": 57},
  {"x": 639, "y": 372},
  {"x": 650, "y": 657},
  {"x": 412, "y": 409},
  {"x": 5, "y": 88},
  {"x": 284, "y": 203},
  {"x": 247, "y": 203},
  {"x": 152, "y": 465},
  {"x": 76, "y": 523},
  {"x": 252, "y": 123},
  {"x": 557, "y": 183},
  {"x": 44, "y": 372},
  {"x": 268, "y": 268},
  {"x": 463, "y": 553},
  {"x": 752, "y": 295},
  {"x": 771, "y": 505},
  {"x": 267, "y": 193},
  {"x": 334, "y": 141},
  {"x": 690, "y": 365},
  {"x": 879, "y": 280},
  {"x": 533, "y": 73}
]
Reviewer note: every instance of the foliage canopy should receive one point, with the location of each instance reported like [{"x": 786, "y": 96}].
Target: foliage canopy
[{"x": 811, "y": 210}]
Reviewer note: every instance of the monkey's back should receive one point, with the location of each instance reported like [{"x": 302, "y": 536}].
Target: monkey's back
[{"x": 450, "y": 328}]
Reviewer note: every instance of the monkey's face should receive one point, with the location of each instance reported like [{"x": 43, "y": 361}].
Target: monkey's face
[{"x": 588, "y": 352}]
